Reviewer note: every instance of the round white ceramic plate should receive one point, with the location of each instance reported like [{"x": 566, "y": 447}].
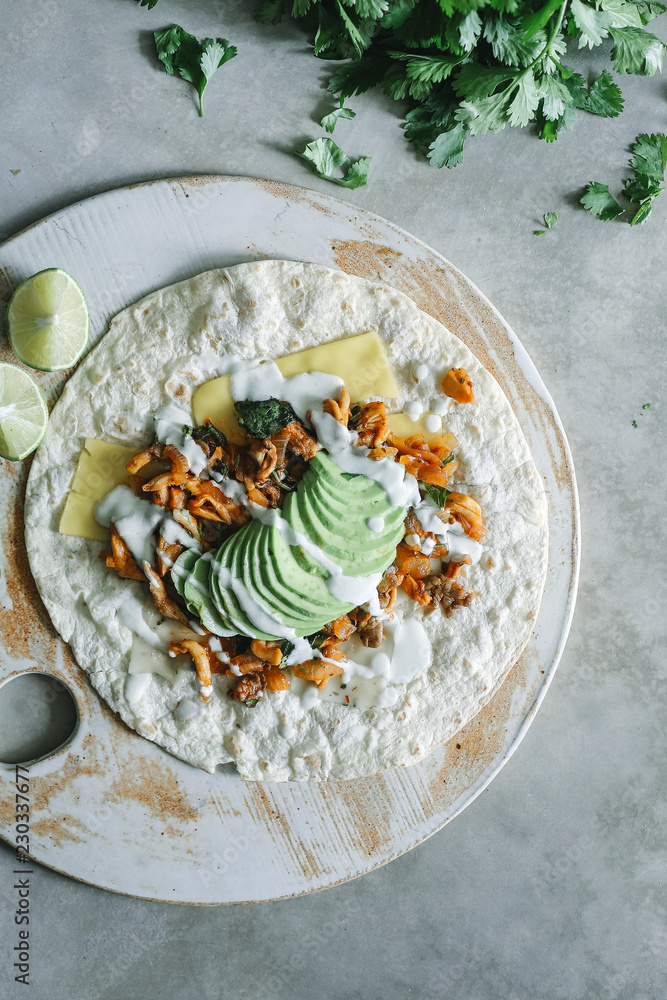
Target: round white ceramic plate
[{"x": 110, "y": 808}]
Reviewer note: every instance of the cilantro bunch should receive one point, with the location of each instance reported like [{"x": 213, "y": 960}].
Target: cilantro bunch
[{"x": 472, "y": 66}]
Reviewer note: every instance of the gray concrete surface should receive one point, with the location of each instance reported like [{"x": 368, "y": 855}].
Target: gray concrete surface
[{"x": 550, "y": 886}]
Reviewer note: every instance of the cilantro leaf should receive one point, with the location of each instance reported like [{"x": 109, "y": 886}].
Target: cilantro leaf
[
  {"x": 539, "y": 232},
  {"x": 550, "y": 220},
  {"x": 195, "y": 60},
  {"x": 329, "y": 121},
  {"x": 593, "y": 24},
  {"x": 447, "y": 149},
  {"x": 555, "y": 97},
  {"x": 604, "y": 97},
  {"x": 489, "y": 114},
  {"x": 523, "y": 107},
  {"x": 270, "y": 11},
  {"x": 264, "y": 417},
  {"x": 437, "y": 493},
  {"x": 549, "y": 130},
  {"x": 477, "y": 82},
  {"x": 648, "y": 163},
  {"x": 650, "y": 155},
  {"x": 623, "y": 15},
  {"x": 324, "y": 156},
  {"x": 600, "y": 202},
  {"x": 636, "y": 51}
]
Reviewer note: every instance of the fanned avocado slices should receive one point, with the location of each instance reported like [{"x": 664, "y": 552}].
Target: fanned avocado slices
[{"x": 288, "y": 582}]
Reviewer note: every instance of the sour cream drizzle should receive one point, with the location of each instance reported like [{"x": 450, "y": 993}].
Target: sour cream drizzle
[
  {"x": 170, "y": 422},
  {"x": 452, "y": 535}
]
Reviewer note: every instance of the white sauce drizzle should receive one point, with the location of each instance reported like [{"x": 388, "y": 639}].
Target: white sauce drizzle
[
  {"x": 287, "y": 731},
  {"x": 452, "y": 535},
  {"x": 136, "y": 686},
  {"x": 420, "y": 371},
  {"x": 432, "y": 423},
  {"x": 130, "y": 614},
  {"x": 440, "y": 406},
  {"x": 414, "y": 410},
  {"x": 375, "y": 524},
  {"x": 186, "y": 709},
  {"x": 135, "y": 520},
  {"x": 169, "y": 423}
]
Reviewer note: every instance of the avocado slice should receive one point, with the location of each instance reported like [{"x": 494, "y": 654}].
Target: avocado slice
[
  {"x": 224, "y": 597},
  {"x": 198, "y": 598},
  {"x": 182, "y": 568},
  {"x": 335, "y": 513},
  {"x": 279, "y": 606},
  {"x": 341, "y": 541},
  {"x": 302, "y": 600}
]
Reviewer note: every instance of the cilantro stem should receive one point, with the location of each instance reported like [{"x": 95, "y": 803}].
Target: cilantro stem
[{"x": 546, "y": 51}]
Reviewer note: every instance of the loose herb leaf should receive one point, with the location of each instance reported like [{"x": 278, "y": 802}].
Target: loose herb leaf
[
  {"x": 447, "y": 149},
  {"x": 196, "y": 60},
  {"x": 324, "y": 156},
  {"x": 648, "y": 164},
  {"x": 604, "y": 97},
  {"x": 264, "y": 417},
  {"x": 550, "y": 219},
  {"x": 600, "y": 202},
  {"x": 437, "y": 493},
  {"x": 329, "y": 121},
  {"x": 539, "y": 232}
]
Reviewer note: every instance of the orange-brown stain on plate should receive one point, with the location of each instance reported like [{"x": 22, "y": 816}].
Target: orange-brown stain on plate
[
  {"x": 263, "y": 810},
  {"x": 370, "y": 805},
  {"x": 159, "y": 791}
]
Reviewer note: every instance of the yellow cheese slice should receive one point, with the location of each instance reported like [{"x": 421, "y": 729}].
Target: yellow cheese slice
[
  {"x": 101, "y": 466},
  {"x": 360, "y": 361},
  {"x": 78, "y": 518},
  {"x": 403, "y": 427}
]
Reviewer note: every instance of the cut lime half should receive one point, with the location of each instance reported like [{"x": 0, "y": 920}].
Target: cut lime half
[
  {"x": 23, "y": 413},
  {"x": 47, "y": 321}
]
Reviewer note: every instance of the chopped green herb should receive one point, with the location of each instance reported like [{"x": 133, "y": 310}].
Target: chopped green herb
[
  {"x": 646, "y": 406},
  {"x": 208, "y": 434},
  {"x": 635, "y": 424},
  {"x": 550, "y": 220},
  {"x": 282, "y": 484},
  {"x": 446, "y": 461},
  {"x": 437, "y": 493},
  {"x": 349, "y": 475},
  {"x": 539, "y": 232},
  {"x": 251, "y": 702},
  {"x": 221, "y": 468},
  {"x": 196, "y": 60},
  {"x": 264, "y": 417},
  {"x": 324, "y": 156}
]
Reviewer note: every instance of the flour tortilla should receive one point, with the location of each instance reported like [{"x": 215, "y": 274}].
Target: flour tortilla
[{"x": 158, "y": 351}]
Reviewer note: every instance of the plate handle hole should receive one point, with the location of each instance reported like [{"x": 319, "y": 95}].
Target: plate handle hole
[{"x": 38, "y": 715}]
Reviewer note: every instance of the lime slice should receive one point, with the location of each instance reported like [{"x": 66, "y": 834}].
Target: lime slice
[
  {"x": 47, "y": 320},
  {"x": 23, "y": 413}
]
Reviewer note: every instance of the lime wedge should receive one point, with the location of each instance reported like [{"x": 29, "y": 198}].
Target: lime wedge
[
  {"x": 23, "y": 413},
  {"x": 47, "y": 320}
]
